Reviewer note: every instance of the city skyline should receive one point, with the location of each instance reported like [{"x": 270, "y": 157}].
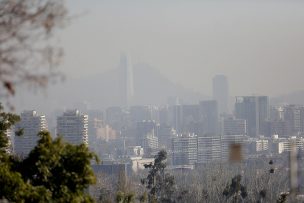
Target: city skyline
[
  {"x": 124, "y": 82},
  {"x": 149, "y": 128},
  {"x": 151, "y": 101}
]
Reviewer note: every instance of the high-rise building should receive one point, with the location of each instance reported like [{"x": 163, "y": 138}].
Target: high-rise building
[
  {"x": 294, "y": 115},
  {"x": 208, "y": 149},
  {"x": 208, "y": 113},
  {"x": 276, "y": 113},
  {"x": 184, "y": 118},
  {"x": 150, "y": 144},
  {"x": 221, "y": 92},
  {"x": 73, "y": 127},
  {"x": 32, "y": 124},
  {"x": 184, "y": 148},
  {"x": 126, "y": 80},
  {"x": 286, "y": 120},
  {"x": 233, "y": 126},
  {"x": 255, "y": 110},
  {"x": 190, "y": 118}
]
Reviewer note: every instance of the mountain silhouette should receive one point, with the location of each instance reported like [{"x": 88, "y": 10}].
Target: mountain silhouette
[{"x": 103, "y": 90}]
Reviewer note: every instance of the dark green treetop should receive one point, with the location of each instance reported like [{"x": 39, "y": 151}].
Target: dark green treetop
[{"x": 54, "y": 171}]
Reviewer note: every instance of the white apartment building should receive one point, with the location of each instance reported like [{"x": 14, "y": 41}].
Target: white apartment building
[
  {"x": 32, "y": 124},
  {"x": 150, "y": 144},
  {"x": 208, "y": 149},
  {"x": 184, "y": 148},
  {"x": 281, "y": 145},
  {"x": 73, "y": 127}
]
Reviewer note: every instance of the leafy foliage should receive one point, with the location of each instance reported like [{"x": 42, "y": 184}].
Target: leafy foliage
[
  {"x": 54, "y": 171},
  {"x": 123, "y": 197},
  {"x": 7, "y": 120}
]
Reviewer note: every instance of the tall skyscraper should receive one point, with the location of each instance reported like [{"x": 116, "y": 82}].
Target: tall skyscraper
[
  {"x": 221, "y": 92},
  {"x": 255, "y": 110},
  {"x": 32, "y": 124},
  {"x": 126, "y": 80},
  {"x": 73, "y": 127}
]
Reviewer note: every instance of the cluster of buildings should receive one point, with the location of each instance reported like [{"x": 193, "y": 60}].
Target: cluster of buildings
[
  {"x": 257, "y": 127},
  {"x": 71, "y": 125},
  {"x": 191, "y": 133}
]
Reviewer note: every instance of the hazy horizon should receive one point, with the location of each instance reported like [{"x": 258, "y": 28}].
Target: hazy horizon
[{"x": 256, "y": 44}]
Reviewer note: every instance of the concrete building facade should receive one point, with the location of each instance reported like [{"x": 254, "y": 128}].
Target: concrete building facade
[
  {"x": 73, "y": 127},
  {"x": 31, "y": 123},
  {"x": 255, "y": 110},
  {"x": 184, "y": 148}
]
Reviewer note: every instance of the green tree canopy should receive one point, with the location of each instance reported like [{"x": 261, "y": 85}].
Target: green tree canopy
[{"x": 54, "y": 171}]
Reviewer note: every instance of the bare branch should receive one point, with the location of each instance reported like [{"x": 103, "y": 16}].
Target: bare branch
[{"x": 26, "y": 54}]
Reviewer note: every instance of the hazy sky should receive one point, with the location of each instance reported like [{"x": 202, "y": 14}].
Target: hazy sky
[{"x": 258, "y": 45}]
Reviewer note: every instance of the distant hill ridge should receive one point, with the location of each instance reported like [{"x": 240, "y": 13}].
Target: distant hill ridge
[
  {"x": 150, "y": 87},
  {"x": 102, "y": 90}
]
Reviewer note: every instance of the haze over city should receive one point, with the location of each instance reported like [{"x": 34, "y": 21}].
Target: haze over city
[
  {"x": 257, "y": 45},
  {"x": 163, "y": 101}
]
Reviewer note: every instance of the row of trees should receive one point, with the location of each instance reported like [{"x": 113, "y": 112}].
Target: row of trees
[{"x": 261, "y": 180}]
